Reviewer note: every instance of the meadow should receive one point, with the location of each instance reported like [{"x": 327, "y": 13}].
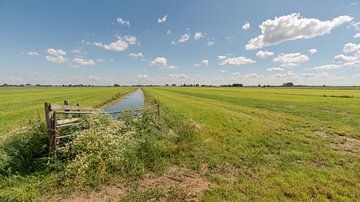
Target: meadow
[
  {"x": 20, "y": 104},
  {"x": 270, "y": 143},
  {"x": 211, "y": 144}
]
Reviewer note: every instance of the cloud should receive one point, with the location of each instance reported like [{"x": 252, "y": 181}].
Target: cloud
[
  {"x": 344, "y": 58},
  {"x": 205, "y": 62},
  {"x": 355, "y": 25},
  {"x": 162, "y": 19},
  {"x": 292, "y": 27},
  {"x": 177, "y": 76},
  {"x": 312, "y": 51},
  {"x": 78, "y": 51},
  {"x": 184, "y": 38},
  {"x": 162, "y": 63},
  {"x": 56, "y": 52},
  {"x": 121, "y": 44},
  {"x": 254, "y": 76},
  {"x": 275, "y": 69},
  {"x": 210, "y": 43},
  {"x": 291, "y": 59},
  {"x": 136, "y": 55},
  {"x": 84, "y": 62},
  {"x": 246, "y": 26},
  {"x": 142, "y": 76},
  {"x": 327, "y": 67},
  {"x": 168, "y": 32},
  {"x": 225, "y": 60},
  {"x": 30, "y": 53},
  {"x": 198, "y": 35},
  {"x": 56, "y": 55},
  {"x": 357, "y": 35},
  {"x": 344, "y": 61},
  {"x": 352, "y": 48},
  {"x": 263, "y": 54},
  {"x": 123, "y": 22},
  {"x": 159, "y": 61},
  {"x": 56, "y": 59}
]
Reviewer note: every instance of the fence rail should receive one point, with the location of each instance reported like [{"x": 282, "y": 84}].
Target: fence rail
[{"x": 53, "y": 121}]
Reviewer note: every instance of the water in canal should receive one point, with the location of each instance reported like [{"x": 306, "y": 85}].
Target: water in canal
[{"x": 134, "y": 100}]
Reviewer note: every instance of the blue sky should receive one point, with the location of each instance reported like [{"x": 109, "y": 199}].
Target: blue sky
[{"x": 158, "y": 42}]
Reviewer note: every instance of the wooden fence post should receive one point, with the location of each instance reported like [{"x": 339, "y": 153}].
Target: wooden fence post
[
  {"x": 48, "y": 120},
  {"x": 54, "y": 135}
]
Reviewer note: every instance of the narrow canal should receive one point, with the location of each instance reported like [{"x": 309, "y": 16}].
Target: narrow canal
[{"x": 134, "y": 100}]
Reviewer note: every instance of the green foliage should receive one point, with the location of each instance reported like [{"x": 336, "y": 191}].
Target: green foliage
[
  {"x": 100, "y": 149},
  {"x": 24, "y": 151}
]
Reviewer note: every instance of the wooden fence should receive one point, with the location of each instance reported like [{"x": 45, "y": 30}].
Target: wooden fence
[{"x": 58, "y": 116}]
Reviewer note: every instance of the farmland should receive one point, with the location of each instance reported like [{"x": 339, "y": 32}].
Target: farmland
[
  {"x": 235, "y": 144},
  {"x": 270, "y": 143},
  {"x": 19, "y": 104}
]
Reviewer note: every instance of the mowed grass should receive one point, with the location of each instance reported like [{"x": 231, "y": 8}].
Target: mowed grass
[
  {"x": 20, "y": 104},
  {"x": 270, "y": 143}
]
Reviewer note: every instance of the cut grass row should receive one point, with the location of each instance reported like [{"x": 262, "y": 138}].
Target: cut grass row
[
  {"x": 270, "y": 144},
  {"x": 17, "y": 105}
]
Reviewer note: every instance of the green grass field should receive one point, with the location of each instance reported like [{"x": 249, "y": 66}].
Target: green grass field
[
  {"x": 238, "y": 144},
  {"x": 270, "y": 143},
  {"x": 19, "y": 104}
]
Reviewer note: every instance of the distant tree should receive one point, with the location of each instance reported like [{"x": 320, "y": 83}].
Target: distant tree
[
  {"x": 289, "y": 84},
  {"x": 173, "y": 84},
  {"x": 237, "y": 85},
  {"x": 259, "y": 85}
]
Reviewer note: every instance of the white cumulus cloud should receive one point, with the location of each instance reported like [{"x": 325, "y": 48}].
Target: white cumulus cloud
[
  {"x": 275, "y": 69},
  {"x": 85, "y": 62},
  {"x": 205, "y": 62},
  {"x": 121, "y": 44},
  {"x": 198, "y": 35},
  {"x": 56, "y": 52},
  {"x": 184, "y": 38},
  {"x": 263, "y": 54},
  {"x": 162, "y": 19},
  {"x": 56, "y": 55},
  {"x": 225, "y": 60},
  {"x": 246, "y": 26},
  {"x": 292, "y": 27},
  {"x": 56, "y": 59},
  {"x": 291, "y": 59},
  {"x": 312, "y": 51}
]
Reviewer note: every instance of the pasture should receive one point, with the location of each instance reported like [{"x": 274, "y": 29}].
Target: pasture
[
  {"x": 20, "y": 104},
  {"x": 270, "y": 143},
  {"x": 211, "y": 144}
]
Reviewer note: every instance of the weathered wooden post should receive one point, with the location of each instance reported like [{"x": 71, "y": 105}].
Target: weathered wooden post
[
  {"x": 54, "y": 135},
  {"x": 66, "y": 102},
  {"x": 48, "y": 120}
]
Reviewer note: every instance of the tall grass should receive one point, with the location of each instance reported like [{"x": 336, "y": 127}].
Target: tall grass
[{"x": 101, "y": 148}]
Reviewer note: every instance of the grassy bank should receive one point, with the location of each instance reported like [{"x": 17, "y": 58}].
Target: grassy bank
[
  {"x": 19, "y": 104},
  {"x": 270, "y": 144}
]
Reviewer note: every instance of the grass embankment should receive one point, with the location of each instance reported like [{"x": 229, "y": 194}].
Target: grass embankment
[
  {"x": 102, "y": 150},
  {"x": 270, "y": 143},
  {"x": 19, "y": 104}
]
